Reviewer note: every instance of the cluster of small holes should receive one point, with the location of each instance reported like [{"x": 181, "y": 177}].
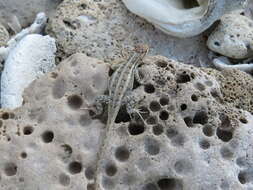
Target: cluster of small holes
[
  {"x": 75, "y": 167},
  {"x": 75, "y": 101},
  {"x": 47, "y": 136}
]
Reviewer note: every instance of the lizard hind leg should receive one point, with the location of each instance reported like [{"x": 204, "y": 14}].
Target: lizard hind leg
[{"x": 97, "y": 107}]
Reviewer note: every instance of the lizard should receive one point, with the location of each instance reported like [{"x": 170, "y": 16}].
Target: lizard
[{"x": 120, "y": 87}]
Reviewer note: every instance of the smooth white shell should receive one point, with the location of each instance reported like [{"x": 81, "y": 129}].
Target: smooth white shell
[{"x": 177, "y": 18}]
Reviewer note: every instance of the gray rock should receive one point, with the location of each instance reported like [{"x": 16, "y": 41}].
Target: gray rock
[
  {"x": 25, "y": 10},
  {"x": 233, "y": 37},
  {"x": 192, "y": 138},
  {"x": 103, "y": 28}
]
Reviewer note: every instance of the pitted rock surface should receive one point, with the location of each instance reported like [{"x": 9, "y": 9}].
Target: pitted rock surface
[
  {"x": 191, "y": 138},
  {"x": 103, "y": 28},
  {"x": 236, "y": 87}
]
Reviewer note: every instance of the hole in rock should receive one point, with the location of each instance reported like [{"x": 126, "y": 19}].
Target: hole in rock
[
  {"x": 150, "y": 186},
  {"x": 154, "y": 106},
  {"x": 242, "y": 177},
  {"x": 189, "y": 4},
  {"x": 5, "y": 115},
  {"x": 110, "y": 169},
  {"x": 164, "y": 115},
  {"x": 171, "y": 132},
  {"x": 217, "y": 43},
  {"x": 89, "y": 173},
  {"x": 224, "y": 135},
  {"x": 194, "y": 98},
  {"x": 200, "y": 117},
  {"x": 158, "y": 129},
  {"x": 183, "y": 78},
  {"x": 23, "y": 155},
  {"x": 152, "y": 146},
  {"x": 225, "y": 121},
  {"x": 170, "y": 184},
  {"x": 208, "y": 130},
  {"x": 149, "y": 88},
  {"x": 122, "y": 153},
  {"x": 75, "y": 167},
  {"x": 164, "y": 101},
  {"x": 75, "y": 101},
  {"x": 183, "y": 107},
  {"x": 200, "y": 86},
  {"x": 10, "y": 169},
  {"x": 91, "y": 186},
  {"x": 122, "y": 116},
  {"x": 243, "y": 120},
  {"x": 226, "y": 152},
  {"x": 28, "y": 130},
  {"x": 204, "y": 144},
  {"x": 151, "y": 120},
  {"x": 188, "y": 121},
  {"x": 47, "y": 136},
  {"x": 64, "y": 179},
  {"x": 183, "y": 166},
  {"x": 136, "y": 128},
  {"x": 161, "y": 64}
]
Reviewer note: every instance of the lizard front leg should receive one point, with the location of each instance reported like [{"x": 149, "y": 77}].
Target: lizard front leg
[{"x": 99, "y": 101}]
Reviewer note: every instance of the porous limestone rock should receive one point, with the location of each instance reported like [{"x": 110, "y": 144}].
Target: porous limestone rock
[
  {"x": 233, "y": 37},
  {"x": 236, "y": 87},
  {"x": 4, "y": 35},
  {"x": 49, "y": 142},
  {"x": 103, "y": 28},
  {"x": 33, "y": 56},
  {"x": 183, "y": 18},
  {"x": 191, "y": 138},
  {"x": 24, "y": 11}
]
